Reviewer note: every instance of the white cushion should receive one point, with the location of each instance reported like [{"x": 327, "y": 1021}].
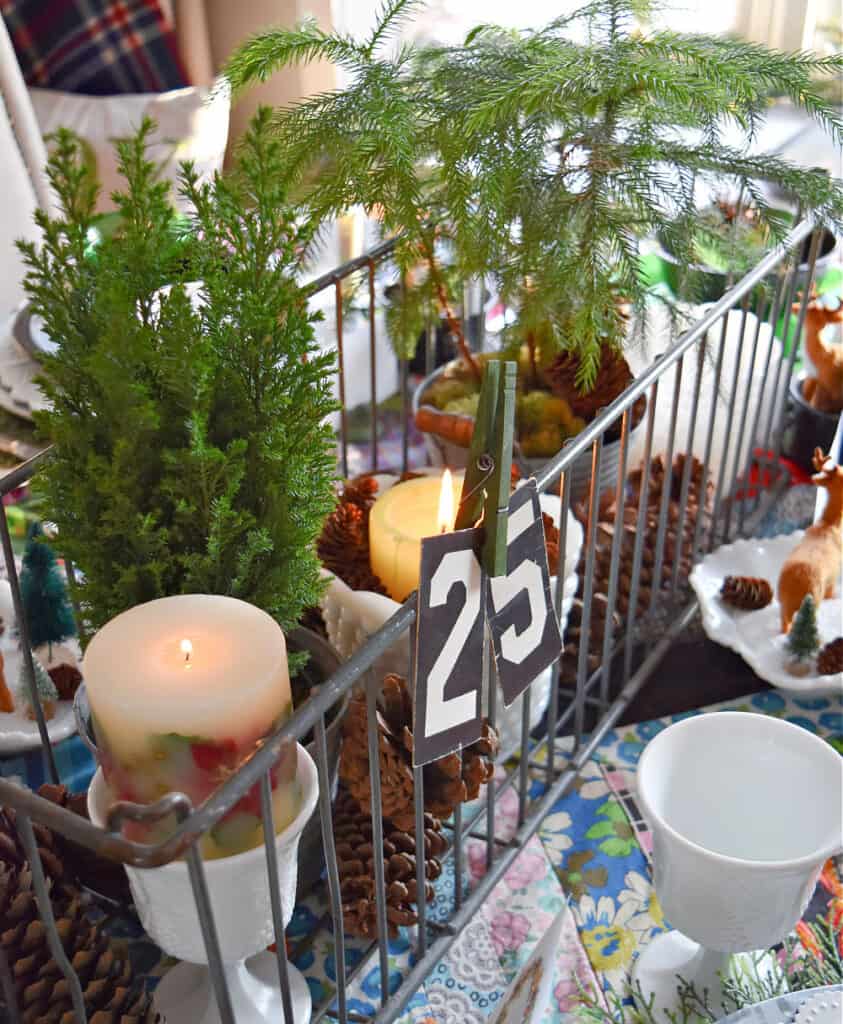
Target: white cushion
[{"x": 192, "y": 125}]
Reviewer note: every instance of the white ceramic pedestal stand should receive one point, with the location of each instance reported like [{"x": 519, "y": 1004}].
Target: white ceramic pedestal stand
[
  {"x": 185, "y": 993},
  {"x": 673, "y": 956},
  {"x": 744, "y": 810},
  {"x": 238, "y": 888}
]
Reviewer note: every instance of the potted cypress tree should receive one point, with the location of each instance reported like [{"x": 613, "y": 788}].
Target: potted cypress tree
[
  {"x": 538, "y": 160},
  {"x": 188, "y": 396}
]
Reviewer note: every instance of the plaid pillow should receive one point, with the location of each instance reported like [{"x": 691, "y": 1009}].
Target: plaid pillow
[{"x": 99, "y": 47}]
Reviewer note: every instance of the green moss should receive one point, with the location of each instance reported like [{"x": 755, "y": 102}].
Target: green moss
[{"x": 466, "y": 406}]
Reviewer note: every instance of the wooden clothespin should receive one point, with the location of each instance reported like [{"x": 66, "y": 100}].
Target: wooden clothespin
[{"x": 487, "y": 478}]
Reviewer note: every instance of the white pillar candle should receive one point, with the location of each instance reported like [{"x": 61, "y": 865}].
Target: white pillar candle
[
  {"x": 398, "y": 521},
  {"x": 181, "y": 690}
]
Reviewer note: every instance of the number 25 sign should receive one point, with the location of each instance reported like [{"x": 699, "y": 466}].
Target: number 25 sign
[{"x": 456, "y": 598}]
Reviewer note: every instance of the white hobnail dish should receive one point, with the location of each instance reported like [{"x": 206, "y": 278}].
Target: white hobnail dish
[
  {"x": 755, "y": 635},
  {"x": 744, "y": 811},
  {"x": 238, "y": 888},
  {"x": 352, "y": 616}
]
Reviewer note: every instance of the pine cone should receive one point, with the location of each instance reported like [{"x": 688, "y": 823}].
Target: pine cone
[
  {"x": 747, "y": 592},
  {"x": 103, "y": 876},
  {"x": 66, "y": 679},
  {"x": 395, "y": 769},
  {"x": 110, "y": 992},
  {"x": 830, "y": 658},
  {"x": 613, "y": 377},
  {"x": 551, "y": 543},
  {"x": 597, "y": 630},
  {"x": 356, "y": 863},
  {"x": 449, "y": 781},
  {"x": 343, "y": 545},
  {"x": 658, "y": 477},
  {"x": 677, "y": 546}
]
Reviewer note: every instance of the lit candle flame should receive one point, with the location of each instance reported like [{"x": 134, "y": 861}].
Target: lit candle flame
[
  {"x": 447, "y": 515},
  {"x": 187, "y": 650}
]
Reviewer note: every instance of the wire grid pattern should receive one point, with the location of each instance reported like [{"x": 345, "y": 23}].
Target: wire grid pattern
[{"x": 542, "y": 772}]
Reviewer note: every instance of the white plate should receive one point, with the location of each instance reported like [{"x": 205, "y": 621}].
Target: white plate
[
  {"x": 755, "y": 635},
  {"x": 18, "y": 733}
]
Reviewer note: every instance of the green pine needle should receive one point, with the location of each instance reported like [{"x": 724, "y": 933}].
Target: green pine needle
[
  {"x": 191, "y": 448},
  {"x": 539, "y": 159}
]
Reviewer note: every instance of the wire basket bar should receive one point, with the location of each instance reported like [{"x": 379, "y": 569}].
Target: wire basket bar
[{"x": 577, "y": 716}]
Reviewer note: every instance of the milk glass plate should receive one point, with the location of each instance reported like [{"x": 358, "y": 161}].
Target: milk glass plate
[
  {"x": 17, "y": 732},
  {"x": 755, "y": 634},
  {"x": 785, "y": 1009}
]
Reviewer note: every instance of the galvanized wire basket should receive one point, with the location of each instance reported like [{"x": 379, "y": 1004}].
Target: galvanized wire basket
[{"x": 721, "y": 416}]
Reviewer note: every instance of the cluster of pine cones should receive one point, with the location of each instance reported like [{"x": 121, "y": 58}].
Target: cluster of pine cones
[
  {"x": 112, "y": 995},
  {"x": 449, "y": 781},
  {"x": 678, "y": 545}
]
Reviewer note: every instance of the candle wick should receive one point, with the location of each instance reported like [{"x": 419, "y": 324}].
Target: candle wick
[{"x": 187, "y": 650}]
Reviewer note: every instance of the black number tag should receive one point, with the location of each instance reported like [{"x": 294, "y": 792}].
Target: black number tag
[
  {"x": 449, "y": 646},
  {"x": 525, "y": 632}
]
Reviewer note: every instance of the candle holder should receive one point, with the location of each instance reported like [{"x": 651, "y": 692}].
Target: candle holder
[
  {"x": 203, "y": 680},
  {"x": 745, "y": 810},
  {"x": 238, "y": 888}
]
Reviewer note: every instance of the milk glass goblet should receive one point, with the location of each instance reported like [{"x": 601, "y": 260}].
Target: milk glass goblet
[
  {"x": 238, "y": 888},
  {"x": 744, "y": 810}
]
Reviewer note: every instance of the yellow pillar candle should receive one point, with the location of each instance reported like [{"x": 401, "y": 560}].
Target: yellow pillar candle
[
  {"x": 398, "y": 521},
  {"x": 181, "y": 690}
]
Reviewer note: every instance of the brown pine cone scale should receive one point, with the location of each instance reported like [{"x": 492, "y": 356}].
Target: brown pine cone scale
[
  {"x": 747, "y": 592},
  {"x": 353, "y": 832},
  {"x": 42, "y": 992},
  {"x": 830, "y": 658},
  {"x": 343, "y": 545},
  {"x": 663, "y": 481},
  {"x": 449, "y": 781}
]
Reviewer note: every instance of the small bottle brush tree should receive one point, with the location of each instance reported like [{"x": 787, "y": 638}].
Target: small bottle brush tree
[
  {"x": 48, "y": 611},
  {"x": 191, "y": 451},
  {"x": 803, "y": 640},
  {"x": 44, "y": 687}
]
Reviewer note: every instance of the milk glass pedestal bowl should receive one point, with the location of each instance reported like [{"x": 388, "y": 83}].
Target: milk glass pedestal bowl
[
  {"x": 238, "y": 887},
  {"x": 744, "y": 810}
]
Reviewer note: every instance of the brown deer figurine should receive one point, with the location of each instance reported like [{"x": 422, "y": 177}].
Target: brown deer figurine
[
  {"x": 813, "y": 567},
  {"x": 825, "y": 391}
]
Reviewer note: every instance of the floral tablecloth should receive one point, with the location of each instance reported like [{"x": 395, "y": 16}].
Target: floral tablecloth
[
  {"x": 590, "y": 858},
  {"x": 594, "y": 850}
]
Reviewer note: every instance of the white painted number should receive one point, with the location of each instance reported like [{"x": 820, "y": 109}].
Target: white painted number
[
  {"x": 456, "y": 568},
  {"x": 515, "y": 646}
]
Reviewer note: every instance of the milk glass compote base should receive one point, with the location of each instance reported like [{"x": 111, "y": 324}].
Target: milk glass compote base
[
  {"x": 744, "y": 810},
  {"x": 238, "y": 887}
]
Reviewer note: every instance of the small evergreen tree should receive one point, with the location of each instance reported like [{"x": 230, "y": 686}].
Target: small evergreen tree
[
  {"x": 44, "y": 686},
  {"x": 191, "y": 452},
  {"x": 803, "y": 640},
  {"x": 46, "y": 606}
]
